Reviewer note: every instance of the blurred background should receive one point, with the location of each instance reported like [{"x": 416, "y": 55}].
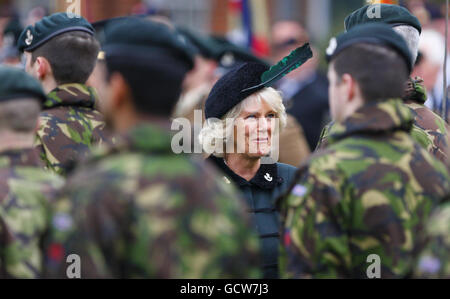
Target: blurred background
[{"x": 269, "y": 29}]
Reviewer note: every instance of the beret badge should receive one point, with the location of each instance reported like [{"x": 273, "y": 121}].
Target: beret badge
[
  {"x": 29, "y": 39},
  {"x": 332, "y": 47}
]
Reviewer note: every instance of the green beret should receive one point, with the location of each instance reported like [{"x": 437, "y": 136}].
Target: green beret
[
  {"x": 49, "y": 27},
  {"x": 139, "y": 41},
  {"x": 100, "y": 27},
  {"x": 393, "y": 15},
  {"x": 203, "y": 45},
  {"x": 231, "y": 55},
  {"x": 16, "y": 84},
  {"x": 13, "y": 29},
  {"x": 378, "y": 34}
]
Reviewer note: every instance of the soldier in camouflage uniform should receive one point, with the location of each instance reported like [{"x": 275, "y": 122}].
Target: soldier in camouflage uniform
[
  {"x": 25, "y": 187},
  {"x": 435, "y": 258},
  {"x": 372, "y": 190},
  {"x": 137, "y": 210},
  {"x": 61, "y": 52},
  {"x": 430, "y": 130}
]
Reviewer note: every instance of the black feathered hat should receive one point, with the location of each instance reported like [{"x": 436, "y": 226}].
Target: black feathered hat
[{"x": 248, "y": 78}]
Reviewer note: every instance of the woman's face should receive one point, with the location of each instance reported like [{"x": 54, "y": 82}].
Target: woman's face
[{"x": 253, "y": 129}]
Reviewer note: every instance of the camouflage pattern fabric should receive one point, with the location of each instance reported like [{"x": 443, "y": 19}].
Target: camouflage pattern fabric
[
  {"x": 370, "y": 192},
  {"x": 69, "y": 127},
  {"x": 436, "y": 129},
  {"x": 429, "y": 130},
  {"x": 136, "y": 210},
  {"x": 435, "y": 258},
  {"x": 25, "y": 190}
]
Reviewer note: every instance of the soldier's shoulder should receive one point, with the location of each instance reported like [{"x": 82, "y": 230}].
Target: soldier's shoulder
[
  {"x": 426, "y": 119},
  {"x": 66, "y": 114},
  {"x": 116, "y": 167}
]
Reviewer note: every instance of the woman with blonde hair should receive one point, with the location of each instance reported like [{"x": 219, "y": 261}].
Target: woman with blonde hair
[{"x": 244, "y": 118}]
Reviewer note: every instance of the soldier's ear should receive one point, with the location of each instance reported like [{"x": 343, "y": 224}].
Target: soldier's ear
[
  {"x": 120, "y": 91},
  {"x": 43, "y": 67},
  {"x": 348, "y": 85}
]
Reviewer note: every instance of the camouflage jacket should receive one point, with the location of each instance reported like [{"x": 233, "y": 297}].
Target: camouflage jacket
[
  {"x": 370, "y": 192},
  {"x": 429, "y": 130},
  {"x": 435, "y": 258},
  {"x": 137, "y": 210},
  {"x": 69, "y": 127},
  {"x": 25, "y": 189}
]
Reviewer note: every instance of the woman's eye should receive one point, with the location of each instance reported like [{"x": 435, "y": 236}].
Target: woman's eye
[
  {"x": 251, "y": 116},
  {"x": 272, "y": 115}
]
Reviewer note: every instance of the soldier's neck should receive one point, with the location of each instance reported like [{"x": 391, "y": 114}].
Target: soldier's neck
[
  {"x": 48, "y": 84},
  {"x": 14, "y": 141},
  {"x": 124, "y": 122}
]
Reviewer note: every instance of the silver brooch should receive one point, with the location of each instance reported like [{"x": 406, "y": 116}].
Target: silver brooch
[{"x": 268, "y": 177}]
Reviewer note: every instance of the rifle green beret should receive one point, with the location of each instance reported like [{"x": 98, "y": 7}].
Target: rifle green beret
[
  {"x": 143, "y": 42},
  {"x": 378, "y": 34},
  {"x": 16, "y": 84},
  {"x": 394, "y": 15},
  {"x": 231, "y": 55},
  {"x": 204, "y": 45},
  {"x": 49, "y": 27}
]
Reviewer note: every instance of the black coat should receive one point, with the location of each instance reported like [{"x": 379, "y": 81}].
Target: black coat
[{"x": 261, "y": 194}]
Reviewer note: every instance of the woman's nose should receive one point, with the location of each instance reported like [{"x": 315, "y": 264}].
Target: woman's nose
[{"x": 263, "y": 124}]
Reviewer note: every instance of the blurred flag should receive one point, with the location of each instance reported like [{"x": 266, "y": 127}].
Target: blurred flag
[{"x": 248, "y": 25}]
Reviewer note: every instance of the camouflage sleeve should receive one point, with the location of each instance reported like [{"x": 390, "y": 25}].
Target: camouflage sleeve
[
  {"x": 24, "y": 217},
  {"x": 315, "y": 243},
  {"x": 422, "y": 138},
  {"x": 152, "y": 227},
  {"x": 435, "y": 258}
]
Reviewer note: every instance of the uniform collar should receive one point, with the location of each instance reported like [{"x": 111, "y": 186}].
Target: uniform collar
[
  {"x": 375, "y": 118},
  {"x": 266, "y": 178},
  {"x": 78, "y": 95},
  {"x": 25, "y": 157}
]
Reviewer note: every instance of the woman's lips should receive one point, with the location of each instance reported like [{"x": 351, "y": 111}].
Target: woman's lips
[{"x": 261, "y": 140}]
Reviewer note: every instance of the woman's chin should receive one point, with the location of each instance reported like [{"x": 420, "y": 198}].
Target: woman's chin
[{"x": 260, "y": 153}]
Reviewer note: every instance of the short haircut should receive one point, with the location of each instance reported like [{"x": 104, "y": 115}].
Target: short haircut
[
  {"x": 19, "y": 115},
  {"x": 381, "y": 72},
  {"x": 155, "y": 90},
  {"x": 412, "y": 37},
  {"x": 72, "y": 56}
]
